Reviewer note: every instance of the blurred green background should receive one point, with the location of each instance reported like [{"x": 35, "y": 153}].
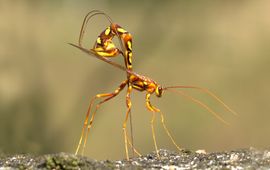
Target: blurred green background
[{"x": 46, "y": 85}]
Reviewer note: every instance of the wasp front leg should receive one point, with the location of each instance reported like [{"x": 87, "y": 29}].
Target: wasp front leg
[{"x": 155, "y": 110}]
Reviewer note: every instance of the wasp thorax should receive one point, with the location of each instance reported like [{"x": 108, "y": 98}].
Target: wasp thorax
[{"x": 158, "y": 91}]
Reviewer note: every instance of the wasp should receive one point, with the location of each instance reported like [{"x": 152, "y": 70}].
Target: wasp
[{"x": 103, "y": 49}]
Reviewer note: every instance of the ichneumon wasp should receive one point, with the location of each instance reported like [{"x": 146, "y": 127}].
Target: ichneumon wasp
[{"x": 103, "y": 49}]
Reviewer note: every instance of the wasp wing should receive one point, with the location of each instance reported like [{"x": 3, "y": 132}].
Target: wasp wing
[{"x": 94, "y": 54}]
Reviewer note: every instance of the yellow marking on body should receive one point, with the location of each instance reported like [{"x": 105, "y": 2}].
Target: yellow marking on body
[
  {"x": 104, "y": 54},
  {"x": 152, "y": 85},
  {"x": 98, "y": 49},
  {"x": 129, "y": 45},
  {"x": 121, "y": 30},
  {"x": 157, "y": 91},
  {"x": 140, "y": 83},
  {"x": 151, "y": 88},
  {"x": 110, "y": 46},
  {"x": 129, "y": 58},
  {"x": 107, "y": 31},
  {"x": 137, "y": 87},
  {"x": 98, "y": 40},
  {"x": 132, "y": 77}
]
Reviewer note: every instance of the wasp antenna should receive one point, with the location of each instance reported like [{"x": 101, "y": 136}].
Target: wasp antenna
[
  {"x": 88, "y": 16},
  {"x": 201, "y": 104},
  {"x": 204, "y": 90}
]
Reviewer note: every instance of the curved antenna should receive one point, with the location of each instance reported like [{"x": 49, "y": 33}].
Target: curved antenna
[
  {"x": 201, "y": 104},
  {"x": 204, "y": 90},
  {"x": 88, "y": 16}
]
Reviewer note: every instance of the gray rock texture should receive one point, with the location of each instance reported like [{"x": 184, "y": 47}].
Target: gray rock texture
[{"x": 238, "y": 159}]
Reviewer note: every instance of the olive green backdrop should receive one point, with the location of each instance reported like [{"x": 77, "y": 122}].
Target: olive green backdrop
[{"x": 46, "y": 85}]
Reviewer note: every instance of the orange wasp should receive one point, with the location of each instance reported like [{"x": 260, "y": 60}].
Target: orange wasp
[{"x": 103, "y": 49}]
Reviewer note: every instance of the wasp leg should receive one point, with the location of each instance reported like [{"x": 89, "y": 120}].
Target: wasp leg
[
  {"x": 109, "y": 96},
  {"x": 134, "y": 149},
  {"x": 128, "y": 102},
  {"x": 168, "y": 132},
  {"x": 154, "y": 110}
]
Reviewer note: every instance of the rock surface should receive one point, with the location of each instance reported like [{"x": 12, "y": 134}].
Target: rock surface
[{"x": 238, "y": 159}]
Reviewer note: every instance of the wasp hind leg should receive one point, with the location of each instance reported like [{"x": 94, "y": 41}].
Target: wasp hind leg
[{"x": 84, "y": 133}]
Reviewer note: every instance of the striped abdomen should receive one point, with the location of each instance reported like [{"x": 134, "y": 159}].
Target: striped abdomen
[{"x": 105, "y": 47}]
